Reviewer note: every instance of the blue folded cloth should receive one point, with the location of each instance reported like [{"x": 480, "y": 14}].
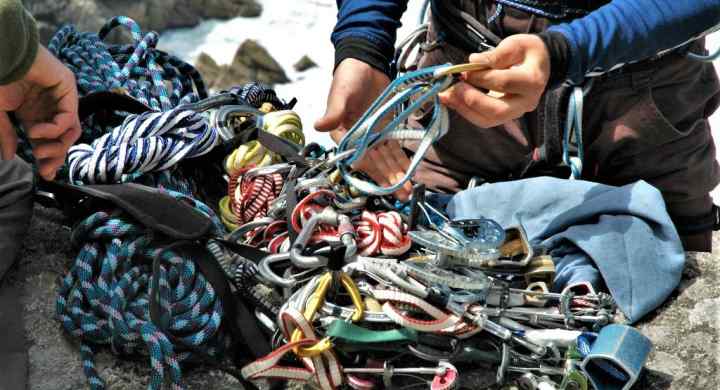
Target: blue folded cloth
[{"x": 621, "y": 237}]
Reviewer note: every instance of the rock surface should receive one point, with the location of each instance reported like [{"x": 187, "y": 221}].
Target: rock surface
[
  {"x": 152, "y": 15},
  {"x": 209, "y": 69},
  {"x": 304, "y": 64},
  {"x": 252, "y": 62},
  {"x": 684, "y": 330}
]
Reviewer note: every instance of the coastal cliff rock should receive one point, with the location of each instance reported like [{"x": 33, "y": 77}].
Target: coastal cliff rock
[
  {"x": 152, "y": 15},
  {"x": 252, "y": 62}
]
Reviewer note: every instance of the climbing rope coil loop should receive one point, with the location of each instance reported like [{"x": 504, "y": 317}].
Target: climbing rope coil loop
[
  {"x": 356, "y": 289},
  {"x": 104, "y": 298},
  {"x": 139, "y": 69},
  {"x": 154, "y": 141}
]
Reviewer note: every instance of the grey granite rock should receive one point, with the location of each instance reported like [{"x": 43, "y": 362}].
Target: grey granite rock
[{"x": 684, "y": 330}]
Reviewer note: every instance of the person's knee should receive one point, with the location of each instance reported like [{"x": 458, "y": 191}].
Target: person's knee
[{"x": 16, "y": 182}]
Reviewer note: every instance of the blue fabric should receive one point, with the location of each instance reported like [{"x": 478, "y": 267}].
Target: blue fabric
[
  {"x": 632, "y": 30},
  {"x": 620, "y": 32},
  {"x": 622, "y": 236},
  {"x": 376, "y": 21}
]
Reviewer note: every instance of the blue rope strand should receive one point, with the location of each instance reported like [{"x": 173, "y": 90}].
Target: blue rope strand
[
  {"x": 104, "y": 298},
  {"x": 138, "y": 69}
]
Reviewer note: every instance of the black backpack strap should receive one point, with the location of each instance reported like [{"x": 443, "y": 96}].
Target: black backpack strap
[
  {"x": 249, "y": 252},
  {"x": 290, "y": 151},
  {"x": 107, "y": 102},
  {"x": 150, "y": 206}
]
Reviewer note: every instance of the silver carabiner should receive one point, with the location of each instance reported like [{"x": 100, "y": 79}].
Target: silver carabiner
[
  {"x": 265, "y": 270},
  {"x": 219, "y": 118},
  {"x": 238, "y": 233},
  {"x": 282, "y": 168},
  {"x": 330, "y": 217}
]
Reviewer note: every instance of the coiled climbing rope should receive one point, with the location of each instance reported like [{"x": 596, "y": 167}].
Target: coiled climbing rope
[
  {"x": 153, "y": 141},
  {"x": 249, "y": 198},
  {"x": 143, "y": 143},
  {"x": 138, "y": 69},
  {"x": 104, "y": 298},
  {"x": 381, "y": 233}
]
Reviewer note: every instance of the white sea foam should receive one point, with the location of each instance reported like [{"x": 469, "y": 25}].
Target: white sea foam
[{"x": 289, "y": 30}]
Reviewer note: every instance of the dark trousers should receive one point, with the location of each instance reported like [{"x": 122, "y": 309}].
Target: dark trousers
[
  {"x": 16, "y": 184},
  {"x": 647, "y": 121}
]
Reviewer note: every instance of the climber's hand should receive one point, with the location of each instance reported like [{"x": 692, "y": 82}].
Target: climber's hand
[
  {"x": 519, "y": 70},
  {"x": 355, "y": 86},
  {"x": 45, "y": 102}
]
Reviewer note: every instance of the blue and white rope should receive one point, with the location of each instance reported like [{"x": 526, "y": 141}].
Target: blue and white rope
[
  {"x": 104, "y": 299},
  {"x": 152, "y": 141},
  {"x": 138, "y": 69}
]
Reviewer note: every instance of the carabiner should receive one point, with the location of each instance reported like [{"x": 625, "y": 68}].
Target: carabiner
[
  {"x": 282, "y": 168},
  {"x": 330, "y": 217},
  {"x": 237, "y": 234},
  {"x": 451, "y": 70},
  {"x": 219, "y": 118},
  {"x": 316, "y": 301},
  {"x": 265, "y": 270}
]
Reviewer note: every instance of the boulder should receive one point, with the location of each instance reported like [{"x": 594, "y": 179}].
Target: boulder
[
  {"x": 221, "y": 9},
  {"x": 304, "y": 64},
  {"x": 252, "y": 62},
  {"x": 208, "y": 68},
  {"x": 261, "y": 65}
]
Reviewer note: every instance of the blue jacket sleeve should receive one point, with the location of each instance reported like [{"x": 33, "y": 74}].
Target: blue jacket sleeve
[
  {"x": 631, "y": 30},
  {"x": 366, "y": 30}
]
